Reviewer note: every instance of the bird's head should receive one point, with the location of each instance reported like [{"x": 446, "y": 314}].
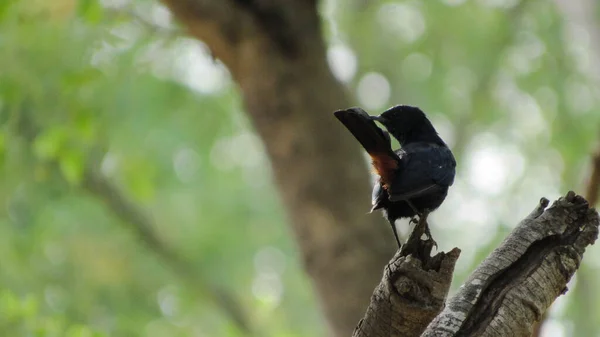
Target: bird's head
[{"x": 408, "y": 124}]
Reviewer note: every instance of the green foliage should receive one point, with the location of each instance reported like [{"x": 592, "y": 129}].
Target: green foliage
[
  {"x": 22, "y": 316},
  {"x": 111, "y": 91}
]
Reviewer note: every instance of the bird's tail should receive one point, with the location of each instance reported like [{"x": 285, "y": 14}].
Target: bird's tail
[{"x": 373, "y": 139}]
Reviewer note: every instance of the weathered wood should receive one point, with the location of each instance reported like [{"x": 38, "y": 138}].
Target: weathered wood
[{"x": 505, "y": 296}]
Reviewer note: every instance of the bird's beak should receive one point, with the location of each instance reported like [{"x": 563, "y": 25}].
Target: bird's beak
[{"x": 377, "y": 118}]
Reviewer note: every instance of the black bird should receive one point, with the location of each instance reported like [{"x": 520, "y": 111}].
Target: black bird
[{"x": 414, "y": 179}]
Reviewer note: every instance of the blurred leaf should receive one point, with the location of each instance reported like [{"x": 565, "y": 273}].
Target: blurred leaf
[
  {"x": 49, "y": 142},
  {"x": 79, "y": 331},
  {"x": 90, "y": 10},
  {"x": 5, "y": 6},
  {"x": 72, "y": 164}
]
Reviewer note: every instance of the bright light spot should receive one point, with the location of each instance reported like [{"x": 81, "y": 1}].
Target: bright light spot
[
  {"x": 161, "y": 16},
  {"x": 505, "y": 89},
  {"x": 524, "y": 58},
  {"x": 491, "y": 168},
  {"x": 195, "y": 67},
  {"x": 546, "y": 98},
  {"x": 402, "y": 19},
  {"x": 243, "y": 150},
  {"x": 267, "y": 288},
  {"x": 246, "y": 150},
  {"x": 579, "y": 96},
  {"x": 55, "y": 253},
  {"x": 465, "y": 208},
  {"x": 576, "y": 35},
  {"x": 559, "y": 306},
  {"x": 465, "y": 263},
  {"x": 528, "y": 120},
  {"x": 103, "y": 54},
  {"x": 577, "y": 42},
  {"x": 270, "y": 259},
  {"x": 463, "y": 205},
  {"x": 55, "y": 298},
  {"x": 342, "y": 62},
  {"x": 109, "y": 164},
  {"x": 475, "y": 212},
  {"x": 593, "y": 257},
  {"x": 114, "y": 3},
  {"x": 168, "y": 301},
  {"x": 554, "y": 160},
  {"x": 257, "y": 177},
  {"x": 459, "y": 84},
  {"x": 373, "y": 91},
  {"x": 461, "y": 78},
  {"x": 552, "y": 328},
  {"x": 453, "y": 3},
  {"x": 505, "y": 4},
  {"x": 186, "y": 163},
  {"x": 220, "y": 156},
  {"x": 404, "y": 228},
  {"x": 416, "y": 67},
  {"x": 128, "y": 34},
  {"x": 328, "y": 11},
  {"x": 541, "y": 181},
  {"x": 444, "y": 128}
]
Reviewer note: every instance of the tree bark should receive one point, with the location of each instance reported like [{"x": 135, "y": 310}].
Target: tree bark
[
  {"x": 505, "y": 296},
  {"x": 275, "y": 52},
  {"x": 412, "y": 292}
]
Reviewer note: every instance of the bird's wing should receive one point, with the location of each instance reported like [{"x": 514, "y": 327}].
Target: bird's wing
[{"x": 425, "y": 169}]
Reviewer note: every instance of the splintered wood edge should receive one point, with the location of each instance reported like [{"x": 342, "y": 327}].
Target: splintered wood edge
[
  {"x": 514, "y": 286},
  {"x": 409, "y": 296}
]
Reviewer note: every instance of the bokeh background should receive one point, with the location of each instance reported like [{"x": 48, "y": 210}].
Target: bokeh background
[{"x": 138, "y": 201}]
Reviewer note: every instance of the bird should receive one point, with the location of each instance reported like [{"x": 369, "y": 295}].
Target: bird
[{"x": 412, "y": 181}]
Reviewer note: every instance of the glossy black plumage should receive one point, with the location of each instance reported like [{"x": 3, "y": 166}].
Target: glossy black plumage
[{"x": 414, "y": 179}]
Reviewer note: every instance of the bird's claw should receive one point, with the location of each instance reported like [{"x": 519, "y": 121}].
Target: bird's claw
[
  {"x": 423, "y": 222},
  {"x": 429, "y": 237}
]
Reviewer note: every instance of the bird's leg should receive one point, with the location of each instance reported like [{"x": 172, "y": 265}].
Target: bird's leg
[
  {"x": 410, "y": 204},
  {"x": 393, "y": 224},
  {"x": 426, "y": 230}
]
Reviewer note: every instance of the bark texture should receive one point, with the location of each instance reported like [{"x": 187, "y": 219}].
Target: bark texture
[
  {"x": 412, "y": 292},
  {"x": 275, "y": 52},
  {"x": 512, "y": 288},
  {"x": 505, "y": 296}
]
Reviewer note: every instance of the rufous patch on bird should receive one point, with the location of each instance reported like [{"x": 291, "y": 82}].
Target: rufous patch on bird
[{"x": 384, "y": 166}]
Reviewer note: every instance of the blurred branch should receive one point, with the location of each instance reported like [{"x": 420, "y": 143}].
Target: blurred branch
[
  {"x": 593, "y": 186},
  {"x": 142, "y": 226},
  {"x": 505, "y": 295}
]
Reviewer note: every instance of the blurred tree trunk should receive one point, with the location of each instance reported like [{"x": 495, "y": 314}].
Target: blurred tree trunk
[{"x": 276, "y": 53}]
